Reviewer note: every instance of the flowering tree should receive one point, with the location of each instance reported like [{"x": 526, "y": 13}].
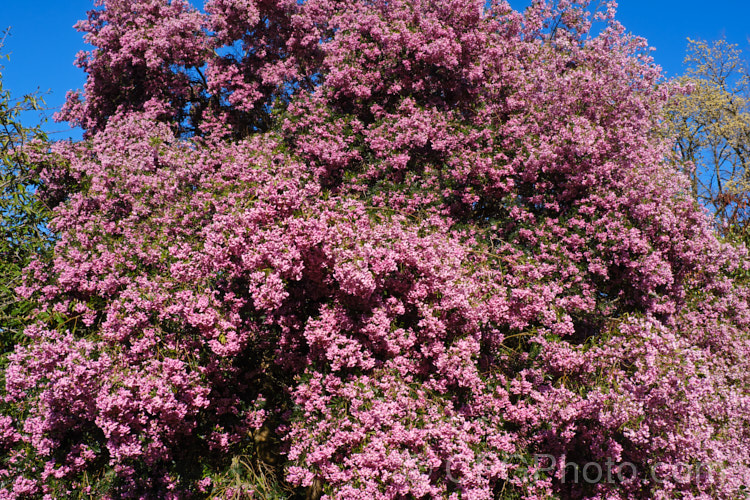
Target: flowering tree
[{"x": 369, "y": 249}]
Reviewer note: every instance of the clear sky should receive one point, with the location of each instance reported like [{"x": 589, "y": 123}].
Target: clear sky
[
  {"x": 43, "y": 43},
  {"x": 42, "y": 48}
]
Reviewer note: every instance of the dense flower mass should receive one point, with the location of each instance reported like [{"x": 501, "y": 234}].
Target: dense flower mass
[{"x": 433, "y": 249}]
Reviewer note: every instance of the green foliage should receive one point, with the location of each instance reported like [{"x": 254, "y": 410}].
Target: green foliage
[{"x": 22, "y": 214}]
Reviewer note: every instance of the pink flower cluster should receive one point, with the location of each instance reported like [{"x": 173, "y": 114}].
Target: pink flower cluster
[{"x": 423, "y": 242}]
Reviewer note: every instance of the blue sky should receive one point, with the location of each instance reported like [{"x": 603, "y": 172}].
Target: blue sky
[
  {"x": 43, "y": 43},
  {"x": 42, "y": 48}
]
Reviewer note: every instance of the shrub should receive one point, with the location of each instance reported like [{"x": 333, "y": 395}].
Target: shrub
[{"x": 431, "y": 249}]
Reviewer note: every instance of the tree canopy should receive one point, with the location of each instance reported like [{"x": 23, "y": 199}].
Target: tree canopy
[{"x": 711, "y": 122}]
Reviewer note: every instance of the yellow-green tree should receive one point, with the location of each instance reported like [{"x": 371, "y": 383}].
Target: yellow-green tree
[{"x": 712, "y": 126}]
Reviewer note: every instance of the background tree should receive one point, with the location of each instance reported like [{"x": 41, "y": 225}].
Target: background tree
[
  {"x": 711, "y": 122},
  {"x": 23, "y": 217}
]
